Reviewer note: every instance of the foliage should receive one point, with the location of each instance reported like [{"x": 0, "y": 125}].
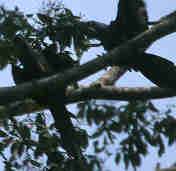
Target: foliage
[
  {"x": 139, "y": 124},
  {"x": 128, "y": 129},
  {"x": 53, "y": 25}
]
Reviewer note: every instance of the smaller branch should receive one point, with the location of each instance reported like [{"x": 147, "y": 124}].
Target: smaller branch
[
  {"x": 110, "y": 77},
  {"x": 87, "y": 93}
]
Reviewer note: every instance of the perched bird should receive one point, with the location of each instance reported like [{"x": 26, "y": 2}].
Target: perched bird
[
  {"x": 131, "y": 20},
  {"x": 37, "y": 65}
]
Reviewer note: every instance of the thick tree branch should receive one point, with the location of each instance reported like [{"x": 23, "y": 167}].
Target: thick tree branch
[
  {"x": 87, "y": 93},
  {"x": 116, "y": 56},
  {"x": 119, "y": 93}
]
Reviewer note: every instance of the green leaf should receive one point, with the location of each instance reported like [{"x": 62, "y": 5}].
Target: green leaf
[
  {"x": 116, "y": 127},
  {"x": 44, "y": 18},
  {"x": 35, "y": 163},
  {"x": 29, "y": 15},
  {"x": 161, "y": 146},
  {"x": 152, "y": 107},
  {"x": 117, "y": 158},
  {"x": 135, "y": 159},
  {"x": 14, "y": 147},
  {"x": 25, "y": 132},
  {"x": 3, "y": 134},
  {"x": 126, "y": 160},
  {"x": 21, "y": 149},
  {"x": 98, "y": 133},
  {"x": 171, "y": 140},
  {"x": 68, "y": 12}
]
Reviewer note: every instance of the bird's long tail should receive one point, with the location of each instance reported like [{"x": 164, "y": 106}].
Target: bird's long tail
[
  {"x": 160, "y": 71},
  {"x": 64, "y": 125}
]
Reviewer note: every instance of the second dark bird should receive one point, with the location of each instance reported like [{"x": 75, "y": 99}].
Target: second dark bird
[{"x": 51, "y": 62}]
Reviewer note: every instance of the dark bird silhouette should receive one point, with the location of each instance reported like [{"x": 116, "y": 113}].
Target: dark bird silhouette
[
  {"x": 131, "y": 20},
  {"x": 160, "y": 71},
  {"x": 38, "y": 65}
]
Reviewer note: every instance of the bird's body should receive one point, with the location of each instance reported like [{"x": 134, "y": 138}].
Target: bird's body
[
  {"x": 54, "y": 101},
  {"x": 131, "y": 20}
]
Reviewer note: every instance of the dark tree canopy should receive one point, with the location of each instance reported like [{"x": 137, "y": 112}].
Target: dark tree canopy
[{"x": 40, "y": 47}]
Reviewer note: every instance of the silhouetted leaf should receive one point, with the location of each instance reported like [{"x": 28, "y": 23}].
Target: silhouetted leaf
[
  {"x": 44, "y": 18},
  {"x": 21, "y": 148},
  {"x": 3, "y": 134},
  {"x": 117, "y": 158},
  {"x": 35, "y": 163}
]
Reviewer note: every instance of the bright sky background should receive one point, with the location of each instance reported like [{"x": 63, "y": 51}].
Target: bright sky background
[{"x": 105, "y": 11}]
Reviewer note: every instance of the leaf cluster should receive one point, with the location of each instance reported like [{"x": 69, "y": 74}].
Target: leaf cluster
[
  {"x": 127, "y": 131},
  {"x": 55, "y": 24}
]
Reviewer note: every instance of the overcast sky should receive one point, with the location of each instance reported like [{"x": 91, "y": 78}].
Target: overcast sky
[{"x": 105, "y": 11}]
